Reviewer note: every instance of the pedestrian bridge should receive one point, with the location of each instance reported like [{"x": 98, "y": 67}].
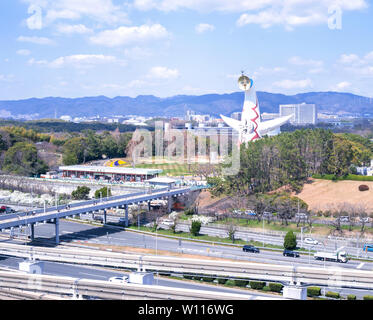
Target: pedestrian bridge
[{"x": 55, "y": 213}]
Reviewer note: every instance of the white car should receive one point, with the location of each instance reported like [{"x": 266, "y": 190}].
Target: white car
[
  {"x": 119, "y": 280},
  {"x": 311, "y": 241}
]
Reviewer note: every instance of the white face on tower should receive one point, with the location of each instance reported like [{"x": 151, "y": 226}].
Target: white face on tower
[{"x": 245, "y": 83}]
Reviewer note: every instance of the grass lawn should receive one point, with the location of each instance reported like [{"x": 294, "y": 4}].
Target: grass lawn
[
  {"x": 210, "y": 238},
  {"x": 173, "y": 169},
  {"x": 319, "y": 229}
]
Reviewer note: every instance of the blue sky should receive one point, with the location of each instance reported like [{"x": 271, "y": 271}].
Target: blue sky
[{"x": 76, "y": 48}]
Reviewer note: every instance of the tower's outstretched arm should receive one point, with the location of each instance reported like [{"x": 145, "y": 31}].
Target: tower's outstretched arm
[{"x": 267, "y": 126}]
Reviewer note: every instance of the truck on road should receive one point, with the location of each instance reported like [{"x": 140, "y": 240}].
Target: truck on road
[{"x": 339, "y": 256}]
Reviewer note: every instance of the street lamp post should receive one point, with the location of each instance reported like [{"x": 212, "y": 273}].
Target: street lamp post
[
  {"x": 309, "y": 254},
  {"x": 263, "y": 232}
]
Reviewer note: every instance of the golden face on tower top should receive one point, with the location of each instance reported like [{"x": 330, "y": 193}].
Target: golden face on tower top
[{"x": 245, "y": 83}]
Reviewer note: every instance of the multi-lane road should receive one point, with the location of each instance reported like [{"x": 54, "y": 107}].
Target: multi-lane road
[
  {"x": 79, "y": 234},
  {"x": 75, "y": 232}
]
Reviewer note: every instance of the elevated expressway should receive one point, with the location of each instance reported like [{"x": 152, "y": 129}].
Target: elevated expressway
[
  {"x": 54, "y": 214},
  {"x": 331, "y": 276}
]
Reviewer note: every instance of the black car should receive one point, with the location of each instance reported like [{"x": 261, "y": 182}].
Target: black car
[
  {"x": 247, "y": 248},
  {"x": 291, "y": 253}
]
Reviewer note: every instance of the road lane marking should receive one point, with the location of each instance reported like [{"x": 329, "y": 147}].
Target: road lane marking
[
  {"x": 360, "y": 265},
  {"x": 92, "y": 274}
]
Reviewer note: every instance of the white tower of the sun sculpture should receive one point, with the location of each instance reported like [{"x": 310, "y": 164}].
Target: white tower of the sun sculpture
[{"x": 251, "y": 127}]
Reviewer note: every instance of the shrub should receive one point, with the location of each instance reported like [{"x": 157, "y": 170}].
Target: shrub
[
  {"x": 290, "y": 241},
  {"x": 241, "y": 283},
  {"x": 258, "y": 285},
  {"x": 81, "y": 193},
  {"x": 185, "y": 276},
  {"x": 327, "y": 213},
  {"x": 222, "y": 280},
  {"x": 266, "y": 288},
  {"x": 190, "y": 212},
  {"x": 275, "y": 287},
  {"x": 363, "y": 187},
  {"x": 351, "y": 297},
  {"x": 198, "y": 278},
  {"x": 230, "y": 283},
  {"x": 103, "y": 192},
  {"x": 368, "y": 297},
  {"x": 195, "y": 228},
  {"x": 313, "y": 291},
  {"x": 331, "y": 294},
  {"x": 208, "y": 279}
]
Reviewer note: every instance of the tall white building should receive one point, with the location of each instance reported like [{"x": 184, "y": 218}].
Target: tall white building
[{"x": 303, "y": 113}]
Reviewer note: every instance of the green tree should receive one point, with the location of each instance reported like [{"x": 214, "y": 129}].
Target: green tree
[
  {"x": 195, "y": 228},
  {"x": 103, "y": 192},
  {"x": 22, "y": 159},
  {"x": 290, "y": 241},
  {"x": 81, "y": 193},
  {"x": 73, "y": 151}
]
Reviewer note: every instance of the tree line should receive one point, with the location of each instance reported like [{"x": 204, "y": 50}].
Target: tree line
[{"x": 290, "y": 158}]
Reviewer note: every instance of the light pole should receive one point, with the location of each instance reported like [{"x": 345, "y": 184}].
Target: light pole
[
  {"x": 324, "y": 251},
  {"x": 301, "y": 235},
  {"x": 309, "y": 254},
  {"x": 263, "y": 232}
]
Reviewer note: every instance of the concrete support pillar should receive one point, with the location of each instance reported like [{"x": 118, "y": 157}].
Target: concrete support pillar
[
  {"x": 57, "y": 231},
  {"x": 149, "y": 207},
  {"x": 169, "y": 202},
  {"x": 32, "y": 228},
  {"x": 105, "y": 216},
  {"x": 126, "y": 208}
]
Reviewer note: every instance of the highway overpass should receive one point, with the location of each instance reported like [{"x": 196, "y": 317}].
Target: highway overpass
[{"x": 54, "y": 214}]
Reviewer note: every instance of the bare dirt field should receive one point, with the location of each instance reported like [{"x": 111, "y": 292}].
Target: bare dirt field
[{"x": 324, "y": 194}]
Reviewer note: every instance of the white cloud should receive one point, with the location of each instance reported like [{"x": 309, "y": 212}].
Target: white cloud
[
  {"x": 24, "y": 52},
  {"x": 266, "y": 13},
  {"x": 361, "y": 66},
  {"x": 293, "y": 13},
  {"x": 293, "y": 84},
  {"x": 350, "y": 59},
  {"x": 268, "y": 71},
  {"x": 298, "y": 61},
  {"x": 200, "y": 5},
  {"x": 163, "y": 73},
  {"x": 102, "y": 11},
  {"x": 342, "y": 85},
  {"x": 203, "y": 27},
  {"x": 36, "y": 40},
  {"x": 71, "y": 29},
  {"x": 127, "y": 35},
  {"x": 136, "y": 53},
  {"x": 6, "y": 78},
  {"x": 32, "y": 61},
  {"x": 79, "y": 61}
]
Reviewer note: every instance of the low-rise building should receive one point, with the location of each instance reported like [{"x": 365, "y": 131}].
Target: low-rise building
[{"x": 109, "y": 173}]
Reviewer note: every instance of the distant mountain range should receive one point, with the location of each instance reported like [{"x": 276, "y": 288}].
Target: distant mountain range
[{"x": 148, "y": 105}]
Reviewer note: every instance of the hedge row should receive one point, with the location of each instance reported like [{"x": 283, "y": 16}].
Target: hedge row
[
  {"x": 352, "y": 177},
  {"x": 222, "y": 280},
  {"x": 258, "y": 285},
  {"x": 313, "y": 291},
  {"x": 368, "y": 297},
  {"x": 241, "y": 283},
  {"x": 331, "y": 294},
  {"x": 275, "y": 287}
]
